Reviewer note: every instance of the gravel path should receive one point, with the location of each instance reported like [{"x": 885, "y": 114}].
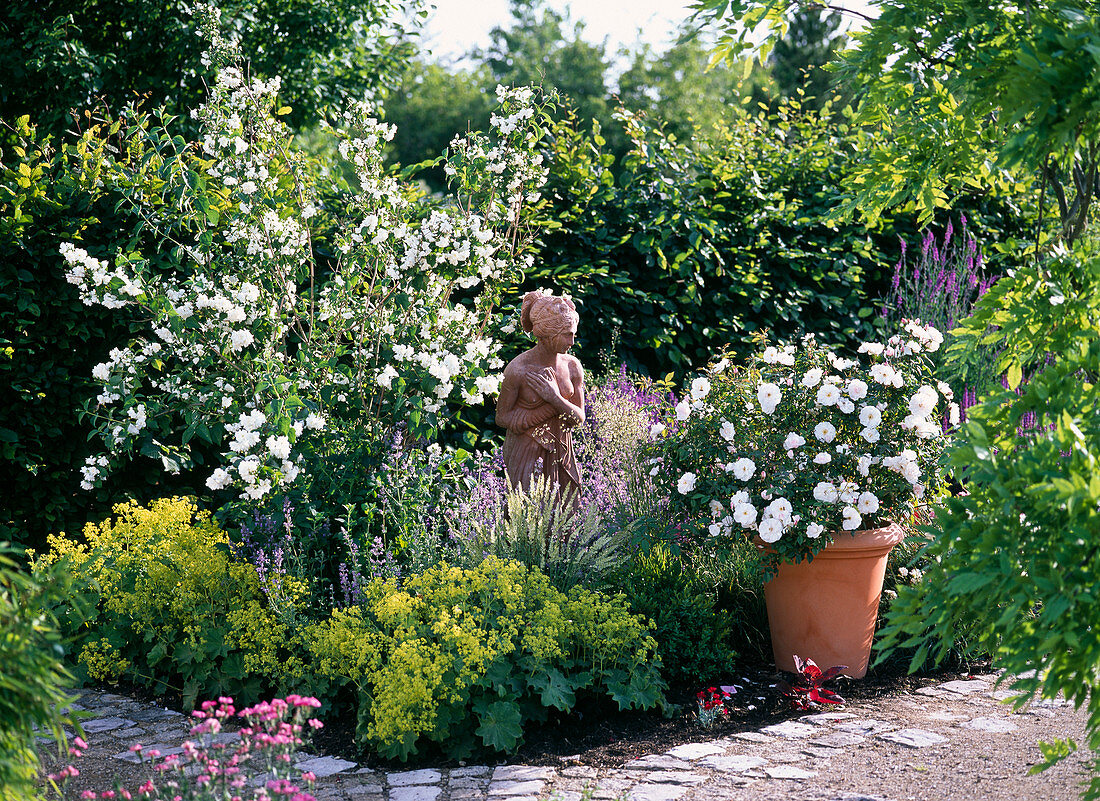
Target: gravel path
[{"x": 950, "y": 741}]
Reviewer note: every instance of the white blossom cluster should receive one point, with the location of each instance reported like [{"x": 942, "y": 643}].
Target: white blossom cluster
[
  {"x": 812, "y": 420},
  {"x": 248, "y": 342}
]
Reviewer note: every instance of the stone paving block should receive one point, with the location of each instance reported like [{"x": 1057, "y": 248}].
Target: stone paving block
[
  {"x": 520, "y": 773},
  {"x": 819, "y": 753},
  {"x": 471, "y": 770},
  {"x": 513, "y": 788},
  {"x": 695, "y": 751},
  {"x": 416, "y": 792},
  {"x": 130, "y": 732},
  {"x": 656, "y": 792},
  {"x": 324, "y": 766},
  {"x": 465, "y": 782},
  {"x": 943, "y": 716},
  {"x": 839, "y": 739},
  {"x": 152, "y": 714},
  {"x": 578, "y": 772},
  {"x": 785, "y": 756},
  {"x": 866, "y": 726},
  {"x": 410, "y": 777},
  {"x": 933, "y": 692},
  {"x": 914, "y": 738},
  {"x": 359, "y": 790},
  {"x": 790, "y": 729},
  {"x": 659, "y": 762},
  {"x": 827, "y": 717},
  {"x": 566, "y": 795},
  {"x": 751, "y": 737},
  {"x": 788, "y": 772},
  {"x": 674, "y": 777},
  {"x": 990, "y": 724},
  {"x": 964, "y": 687},
  {"x": 732, "y": 764},
  {"x": 97, "y": 725}
]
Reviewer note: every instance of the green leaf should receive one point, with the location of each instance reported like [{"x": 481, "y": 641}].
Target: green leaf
[
  {"x": 555, "y": 689},
  {"x": 501, "y": 725}
]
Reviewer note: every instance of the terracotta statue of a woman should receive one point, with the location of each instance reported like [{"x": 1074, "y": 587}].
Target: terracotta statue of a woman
[{"x": 542, "y": 397}]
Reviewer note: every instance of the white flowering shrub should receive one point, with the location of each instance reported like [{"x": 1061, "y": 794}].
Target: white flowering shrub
[
  {"x": 802, "y": 444},
  {"x": 282, "y": 361}
]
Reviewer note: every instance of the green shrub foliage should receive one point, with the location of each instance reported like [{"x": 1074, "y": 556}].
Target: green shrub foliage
[
  {"x": 1014, "y": 564},
  {"x": 33, "y": 681},
  {"x": 697, "y": 245}
]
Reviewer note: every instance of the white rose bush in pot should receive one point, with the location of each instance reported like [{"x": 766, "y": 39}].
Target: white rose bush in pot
[{"x": 801, "y": 444}]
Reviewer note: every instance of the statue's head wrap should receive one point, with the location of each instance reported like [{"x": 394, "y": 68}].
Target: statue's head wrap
[{"x": 545, "y": 315}]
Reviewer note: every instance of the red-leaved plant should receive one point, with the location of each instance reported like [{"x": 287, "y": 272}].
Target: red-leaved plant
[{"x": 807, "y": 690}]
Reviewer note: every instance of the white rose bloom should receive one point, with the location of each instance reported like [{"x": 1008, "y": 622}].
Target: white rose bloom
[
  {"x": 825, "y": 492},
  {"x": 686, "y": 483},
  {"x": 953, "y": 413},
  {"x": 845, "y": 406},
  {"x": 779, "y": 508},
  {"x": 700, "y": 388},
  {"x": 828, "y": 395},
  {"x": 793, "y": 442},
  {"x": 852, "y": 520},
  {"x": 873, "y": 348},
  {"x": 911, "y": 472},
  {"x": 812, "y": 377},
  {"x": 822, "y": 458},
  {"x": 715, "y": 529},
  {"x": 656, "y": 430},
  {"x": 857, "y": 389},
  {"x": 870, "y": 435},
  {"x": 727, "y": 431},
  {"x": 863, "y": 465},
  {"x": 219, "y": 479},
  {"x": 770, "y": 530},
  {"x": 769, "y": 396},
  {"x": 744, "y": 514},
  {"x": 743, "y": 469},
  {"x": 922, "y": 404},
  {"x": 683, "y": 410},
  {"x": 770, "y": 355},
  {"x": 825, "y": 431},
  {"x": 716, "y": 507},
  {"x": 738, "y": 498},
  {"x": 869, "y": 417},
  {"x": 847, "y": 492},
  {"x": 882, "y": 374},
  {"x": 814, "y": 530},
  {"x": 867, "y": 503}
]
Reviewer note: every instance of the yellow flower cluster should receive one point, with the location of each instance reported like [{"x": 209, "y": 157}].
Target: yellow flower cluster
[{"x": 103, "y": 661}]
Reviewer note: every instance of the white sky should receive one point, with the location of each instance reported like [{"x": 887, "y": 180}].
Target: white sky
[{"x": 457, "y": 26}]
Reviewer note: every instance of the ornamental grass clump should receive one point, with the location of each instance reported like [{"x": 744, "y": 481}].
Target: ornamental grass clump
[{"x": 801, "y": 444}]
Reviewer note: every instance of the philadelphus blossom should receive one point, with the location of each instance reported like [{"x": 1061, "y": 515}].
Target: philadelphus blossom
[
  {"x": 686, "y": 483},
  {"x": 241, "y": 296}
]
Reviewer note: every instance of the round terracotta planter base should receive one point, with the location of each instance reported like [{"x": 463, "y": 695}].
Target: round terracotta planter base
[{"x": 826, "y": 609}]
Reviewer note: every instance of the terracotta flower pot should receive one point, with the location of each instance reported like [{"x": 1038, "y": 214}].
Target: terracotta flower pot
[{"x": 825, "y": 610}]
